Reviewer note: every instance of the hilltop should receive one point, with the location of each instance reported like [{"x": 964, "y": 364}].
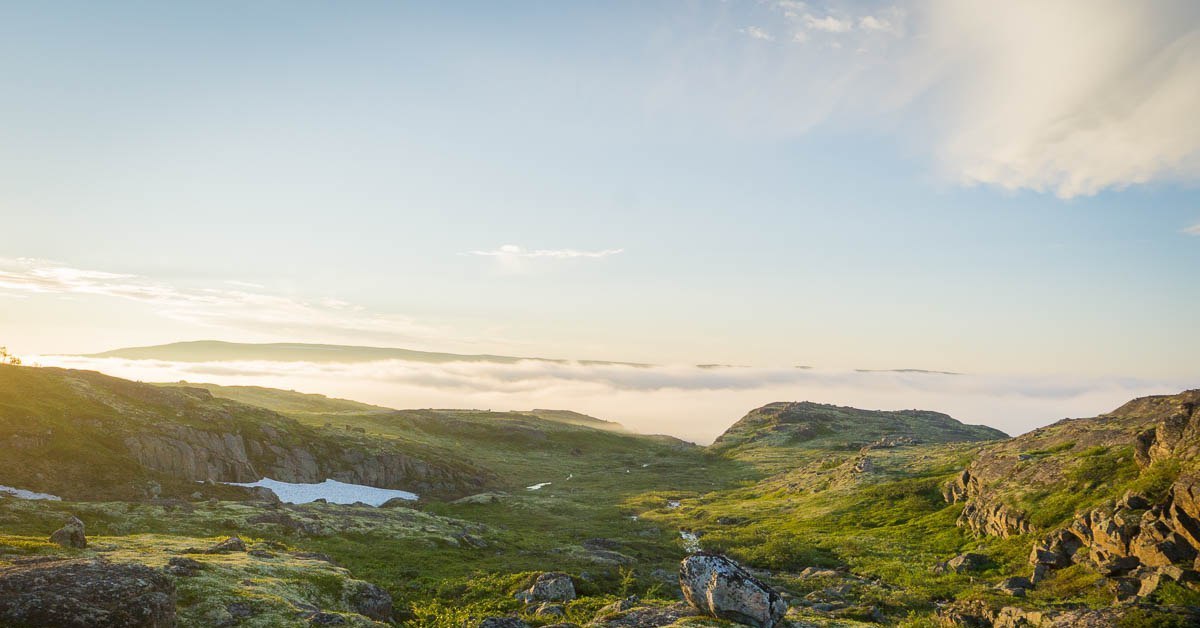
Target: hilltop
[{"x": 806, "y": 426}]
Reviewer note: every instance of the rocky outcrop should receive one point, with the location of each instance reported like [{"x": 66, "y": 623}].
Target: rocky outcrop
[
  {"x": 1138, "y": 541},
  {"x": 70, "y": 535},
  {"x": 980, "y": 514},
  {"x": 85, "y": 594},
  {"x": 719, "y": 587},
  {"x": 977, "y": 614},
  {"x": 1136, "y": 545},
  {"x": 193, "y": 454}
]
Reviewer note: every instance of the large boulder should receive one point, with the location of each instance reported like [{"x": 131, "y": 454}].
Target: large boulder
[
  {"x": 85, "y": 593},
  {"x": 70, "y": 535},
  {"x": 369, "y": 600},
  {"x": 550, "y": 587},
  {"x": 719, "y": 587}
]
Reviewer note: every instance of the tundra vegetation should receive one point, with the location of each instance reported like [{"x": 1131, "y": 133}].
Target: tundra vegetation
[{"x": 852, "y": 517}]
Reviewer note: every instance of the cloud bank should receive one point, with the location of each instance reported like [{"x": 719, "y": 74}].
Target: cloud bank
[{"x": 686, "y": 401}]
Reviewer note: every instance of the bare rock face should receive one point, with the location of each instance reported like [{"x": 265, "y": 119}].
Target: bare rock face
[
  {"x": 85, "y": 593},
  {"x": 719, "y": 587},
  {"x": 70, "y": 535}
]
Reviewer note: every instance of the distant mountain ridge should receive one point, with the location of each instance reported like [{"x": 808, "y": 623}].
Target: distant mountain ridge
[{"x": 221, "y": 351}]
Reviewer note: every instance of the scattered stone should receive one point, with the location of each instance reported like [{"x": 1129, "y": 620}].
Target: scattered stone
[
  {"x": 229, "y": 545},
  {"x": 368, "y": 600},
  {"x": 70, "y": 535},
  {"x": 503, "y": 622},
  {"x": 1015, "y": 586},
  {"x": 717, "y": 586},
  {"x": 85, "y": 593},
  {"x": 550, "y": 610},
  {"x": 321, "y": 618},
  {"x": 619, "y": 606},
  {"x": 183, "y": 566},
  {"x": 647, "y": 617},
  {"x": 962, "y": 563},
  {"x": 260, "y": 553}
]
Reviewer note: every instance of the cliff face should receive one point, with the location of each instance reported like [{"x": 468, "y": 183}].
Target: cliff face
[
  {"x": 63, "y": 424},
  {"x": 1128, "y": 477}
]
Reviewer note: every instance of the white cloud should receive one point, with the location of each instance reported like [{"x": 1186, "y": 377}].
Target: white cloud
[
  {"x": 828, "y": 24},
  {"x": 1193, "y": 230},
  {"x": 1070, "y": 97},
  {"x": 687, "y": 401},
  {"x": 516, "y": 252},
  {"x": 755, "y": 32},
  {"x": 234, "y": 309},
  {"x": 873, "y": 23}
]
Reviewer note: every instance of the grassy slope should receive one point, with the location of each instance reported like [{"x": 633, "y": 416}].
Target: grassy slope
[{"x": 775, "y": 505}]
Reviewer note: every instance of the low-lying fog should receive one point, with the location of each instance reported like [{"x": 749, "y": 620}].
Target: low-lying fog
[{"x": 690, "y": 402}]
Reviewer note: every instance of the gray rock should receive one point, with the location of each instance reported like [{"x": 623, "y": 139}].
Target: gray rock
[
  {"x": 70, "y": 535},
  {"x": 1015, "y": 586},
  {"x": 719, "y": 587},
  {"x": 229, "y": 545},
  {"x": 550, "y": 587},
  {"x": 368, "y": 600},
  {"x": 183, "y": 566},
  {"x": 503, "y": 622},
  {"x": 85, "y": 593}
]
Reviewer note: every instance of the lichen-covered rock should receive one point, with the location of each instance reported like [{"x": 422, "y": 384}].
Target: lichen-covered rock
[
  {"x": 228, "y": 546},
  {"x": 85, "y": 593},
  {"x": 368, "y": 600},
  {"x": 717, "y": 586},
  {"x": 550, "y": 587},
  {"x": 503, "y": 622},
  {"x": 1015, "y": 586},
  {"x": 183, "y": 566},
  {"x": 962, "y": 563},
  {"x": 70, "y": 535}
]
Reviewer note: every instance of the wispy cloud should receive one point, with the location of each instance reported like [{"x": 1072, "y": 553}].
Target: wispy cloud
[
  {"x": 828, "y": 23},
  {"x": 755, "y": 32},
  {"x": 1193, "y": 230},
  {"x": 221, "y": 308},
  {"x": 516, "y": 252}
]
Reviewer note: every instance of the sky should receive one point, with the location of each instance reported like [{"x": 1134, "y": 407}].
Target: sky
[{"x": 1000, "y": 189}]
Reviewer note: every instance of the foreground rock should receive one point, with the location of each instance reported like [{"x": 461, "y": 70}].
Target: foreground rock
[
  {"x": 85, "y": 593},
  {"x": 70, "y": 535},
  {"x": 977, "y": 614},
  {"x": 719, "y": 587}
]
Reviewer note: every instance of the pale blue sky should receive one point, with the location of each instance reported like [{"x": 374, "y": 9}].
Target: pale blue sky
[{"x": 851, "y": 185}]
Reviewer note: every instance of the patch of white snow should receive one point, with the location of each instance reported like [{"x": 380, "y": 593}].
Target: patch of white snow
[{"x": 331, "y": 491}]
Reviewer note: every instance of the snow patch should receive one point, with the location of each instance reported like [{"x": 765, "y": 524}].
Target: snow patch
[
  {"x": 538, "y": 486},
  {"x": 21, "y": 493},
  {"x": 331, "y": 491}
]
